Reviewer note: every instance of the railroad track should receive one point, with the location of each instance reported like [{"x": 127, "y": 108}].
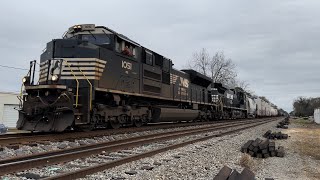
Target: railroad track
[
  {"x": 31, "y": 138},
  {"x": 54, "y": 157}
]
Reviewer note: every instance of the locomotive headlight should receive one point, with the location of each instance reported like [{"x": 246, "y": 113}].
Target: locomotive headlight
[
  {"x": 54, "y": 77},
  {"x": 25, "y": 79},
  {"x": 77, "y": 27}
]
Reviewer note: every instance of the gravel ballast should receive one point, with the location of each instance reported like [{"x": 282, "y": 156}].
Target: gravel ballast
[
  {"x": 204, "y": 160},
  {"x": 201, "y": 160},
  {"x": 58, "y": 145},
  {"x": 93, "y": 160}
]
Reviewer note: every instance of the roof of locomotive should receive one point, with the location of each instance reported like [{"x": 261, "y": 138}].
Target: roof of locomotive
[
  {"x": 198, "y": 78},
  {"x": 99, "y": 29}
]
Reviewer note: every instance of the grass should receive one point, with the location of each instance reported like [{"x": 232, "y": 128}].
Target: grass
[
  {"x": 246, "y": 161},
  {"x": 302, "y": 121},
  {"x": 309, "y": 143},
  {"x": 307, "y": 137}
]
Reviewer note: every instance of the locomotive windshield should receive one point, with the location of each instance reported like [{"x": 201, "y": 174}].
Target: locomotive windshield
[{"x": 99, "y": 39}]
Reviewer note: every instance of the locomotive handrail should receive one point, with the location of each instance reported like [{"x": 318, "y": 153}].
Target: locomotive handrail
[
  {"x": 21, "y": 89},
  {"x": 90, "y": 88},
  {"x": 21, "y": 96},
  {"x": 220, "y": 102},
  {"x": 77, "y": 96}
]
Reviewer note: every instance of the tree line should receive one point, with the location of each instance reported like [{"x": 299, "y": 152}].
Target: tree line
[{"x": 304, "y": 106}]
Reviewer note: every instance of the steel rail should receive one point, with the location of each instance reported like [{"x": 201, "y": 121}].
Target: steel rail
[
  {"x": 28, "y": 157},
  {"x": 97, "y": 168},
  {"x": 43, "y": 159},
  {"x": 19, "y": 138}
]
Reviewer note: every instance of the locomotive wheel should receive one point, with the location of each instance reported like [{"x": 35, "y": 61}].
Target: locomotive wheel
[
  {"x": 114, "y": 124},
  {"x": 137, "y": 123}
]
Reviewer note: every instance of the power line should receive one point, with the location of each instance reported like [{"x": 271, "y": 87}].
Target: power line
[{"x": 13, "y": 67}]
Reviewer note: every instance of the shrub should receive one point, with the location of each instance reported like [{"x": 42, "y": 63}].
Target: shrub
[{"x": 246, "y": 161}]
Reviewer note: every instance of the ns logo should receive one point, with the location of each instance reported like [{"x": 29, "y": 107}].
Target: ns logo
[
  {"x": 126, "y": 65},
  {"x": 184, "y": 82}
]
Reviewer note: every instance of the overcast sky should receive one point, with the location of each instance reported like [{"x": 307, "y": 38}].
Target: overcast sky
[{"x": 275, "y": 44}]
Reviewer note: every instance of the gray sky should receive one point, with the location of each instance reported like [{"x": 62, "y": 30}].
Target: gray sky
[{"x": 273, "y": 43}]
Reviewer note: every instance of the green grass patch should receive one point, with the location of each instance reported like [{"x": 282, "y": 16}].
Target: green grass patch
[{"x": 302, "y": 121}]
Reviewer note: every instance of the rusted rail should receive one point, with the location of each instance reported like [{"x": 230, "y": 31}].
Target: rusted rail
[
  {"x": 94, "y": 169},
  {"x": 43, "y": 159},
  {"x": 25, "y": 138}
]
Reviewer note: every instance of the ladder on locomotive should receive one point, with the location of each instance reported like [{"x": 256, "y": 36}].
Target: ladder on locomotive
[{"x": 80, "y": 107}]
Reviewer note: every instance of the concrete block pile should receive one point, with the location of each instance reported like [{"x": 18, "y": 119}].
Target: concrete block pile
[
  {"x": 284, "y": 123},
  {"x": 227, "y": 173},
  {"x": 275, "y": 135},
  {"x": 262, "y": 148}
]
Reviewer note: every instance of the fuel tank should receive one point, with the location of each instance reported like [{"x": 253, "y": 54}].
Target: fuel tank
[{"x": 173, "y": 114}]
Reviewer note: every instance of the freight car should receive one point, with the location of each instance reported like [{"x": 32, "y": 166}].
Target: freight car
[{"x": 95, "y": 77}]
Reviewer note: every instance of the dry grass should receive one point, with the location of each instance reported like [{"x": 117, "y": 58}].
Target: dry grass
[
  {"x": 305, "y": 139},
  {"x": 301, "y": 121},
  {"x": 308, "y": 141},
  {"x": 246, "y": 161}
]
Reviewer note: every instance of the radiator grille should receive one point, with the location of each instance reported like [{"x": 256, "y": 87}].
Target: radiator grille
[
  {"x": 152, "y": 75},
  {"x": 152, "y": 89}
]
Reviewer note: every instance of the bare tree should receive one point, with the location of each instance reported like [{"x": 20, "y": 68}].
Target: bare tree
[
  {"x": 222, "y": 69},
  {"x": 200, "y": 61},
  {"x": 242, "y": 84},
  {"x": 218, "y": 67}
]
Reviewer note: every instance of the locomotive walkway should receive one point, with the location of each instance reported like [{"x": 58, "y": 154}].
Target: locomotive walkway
[{"x": 55, "y": 157}]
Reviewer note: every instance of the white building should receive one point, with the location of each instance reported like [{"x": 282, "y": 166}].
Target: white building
[
  {"x": 9, "y": 104},
  {"x": 316, "y": 115}
]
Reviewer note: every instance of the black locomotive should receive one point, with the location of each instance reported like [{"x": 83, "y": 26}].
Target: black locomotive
[{"x": 95, "y": 77}]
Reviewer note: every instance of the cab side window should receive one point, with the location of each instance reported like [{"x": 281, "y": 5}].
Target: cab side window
[
  {"x": 166, "y": 65},
  {"x": 125, "y": 48},
  {"x": 149, "y": 58}
]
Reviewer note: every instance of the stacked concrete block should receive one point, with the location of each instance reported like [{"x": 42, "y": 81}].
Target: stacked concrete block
[
  {"x": 275, "y": 135},
  {"x": 227, "y": 173},
  {"x": 283, "y": 124},
  {"x": 262, "y": 148}
]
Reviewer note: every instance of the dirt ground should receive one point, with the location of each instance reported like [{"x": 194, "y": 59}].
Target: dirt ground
[{"x": 305, "y": 140}]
